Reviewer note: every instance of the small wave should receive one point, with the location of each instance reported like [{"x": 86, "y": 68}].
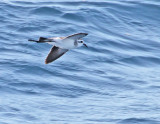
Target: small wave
[
  {"x": 46, "y": 11},
  {"x": 138, "y": 121},
  {"x": 74, "y": 16},
  {"x": 23, "y": 2}
]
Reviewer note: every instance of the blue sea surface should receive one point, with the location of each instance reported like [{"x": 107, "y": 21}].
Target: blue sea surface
[{"x": 116, "y": 80}]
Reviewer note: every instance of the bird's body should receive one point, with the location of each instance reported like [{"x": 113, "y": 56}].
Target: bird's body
[{"x": 61, "y": 45}]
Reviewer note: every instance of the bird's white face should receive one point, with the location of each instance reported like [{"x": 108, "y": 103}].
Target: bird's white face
[{"x": 81, "y": 42}]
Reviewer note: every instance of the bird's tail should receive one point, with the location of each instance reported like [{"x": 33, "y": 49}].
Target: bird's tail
[
  {"x": 41, "y": 40},
  {"x": 32, "y": 40}
]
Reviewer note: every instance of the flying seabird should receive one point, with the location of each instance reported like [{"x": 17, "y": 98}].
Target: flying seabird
[{"x": 61, "y": 45}]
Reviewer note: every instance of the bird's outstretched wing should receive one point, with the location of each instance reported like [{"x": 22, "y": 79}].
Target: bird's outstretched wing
[
  {"x": 54, "y": 54},
  {"x": 76, "y": 36}
]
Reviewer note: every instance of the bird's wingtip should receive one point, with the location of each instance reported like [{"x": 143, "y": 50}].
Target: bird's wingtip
[
  {"x": 85, "y": 33},
  {"x": 46, "y": 62}
]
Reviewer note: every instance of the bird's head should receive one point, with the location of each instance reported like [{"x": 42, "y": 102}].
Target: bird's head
[{"x": 81, "y": 42}]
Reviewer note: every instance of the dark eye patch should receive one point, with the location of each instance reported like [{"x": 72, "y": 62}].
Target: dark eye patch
[{"x": 80, "y": 41}]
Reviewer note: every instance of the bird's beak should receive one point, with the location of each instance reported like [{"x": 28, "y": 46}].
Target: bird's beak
[{"x": 85, "y": 45}]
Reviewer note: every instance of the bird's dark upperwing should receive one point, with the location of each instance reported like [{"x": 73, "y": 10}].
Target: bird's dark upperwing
[
  {"x": 76, "y": 36},
  {"x": 54, "y": 54}
]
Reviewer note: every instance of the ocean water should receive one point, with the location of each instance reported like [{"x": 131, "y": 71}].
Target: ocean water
[{"x": 114, "y": 81}]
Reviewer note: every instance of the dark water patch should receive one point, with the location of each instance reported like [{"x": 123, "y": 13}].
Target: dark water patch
[
  {"x": 14, "y": 109},
  {"x": 46, "y": 11},
  {"x": 138, "y": 121},
  {"x": 74, "y": 16}
]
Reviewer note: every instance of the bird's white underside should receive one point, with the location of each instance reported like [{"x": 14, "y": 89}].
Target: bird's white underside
[{"x": 63, "y": 43}]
